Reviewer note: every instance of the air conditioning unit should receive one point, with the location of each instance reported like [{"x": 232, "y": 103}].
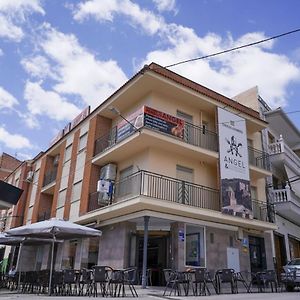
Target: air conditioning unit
[
  {"x": 109, "y": 172},
  {"x": 29, "y": 177},
  {"x": 56, "y": 160}
]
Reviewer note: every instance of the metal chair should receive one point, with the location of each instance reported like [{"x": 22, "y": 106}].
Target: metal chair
[
  {"x": 69, "y": 282},
  {"x": 200, "y": 276},
  {"x": 100, "y": 276},
  {"x": 226, "y": 276},
  {"x": 130, "y": 279},
  {"x": 170, "y": 278},
  {"x": 85, "y": 282}
]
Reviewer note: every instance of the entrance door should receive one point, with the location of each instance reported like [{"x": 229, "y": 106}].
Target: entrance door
[
  {"x": 257, "y": 254},
  {"x": 157, "y": 259},
  {"x": 280, "y": 252}
]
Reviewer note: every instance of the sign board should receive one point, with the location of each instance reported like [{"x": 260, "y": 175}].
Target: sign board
[
  {"x": 163, "y": 122},
  {"x": 234, "y": 165},
  {"x": 135, "y": 121},
  {"x": 71, "y": 125}
]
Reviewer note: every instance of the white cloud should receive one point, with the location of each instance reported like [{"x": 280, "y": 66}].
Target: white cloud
[
  {"x": 42, "y": 102},
  {"x": 13, "y": 13},
  {"x": 166, "y": 5},
  {"x": 9, "y": 30},
  {"x": 38, "y": 67},
  {"x": 233, "y": 72},
  {"x": 106, "y": 10},
  {"x": 77, "y": 71},
  {"x": 13, "y": 141},
  {"x": 6, "y": 99},
  {"x": 229, "y": 74}
]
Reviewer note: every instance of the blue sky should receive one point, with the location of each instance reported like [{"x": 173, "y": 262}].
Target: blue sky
[{"x": 58, "y": 56}]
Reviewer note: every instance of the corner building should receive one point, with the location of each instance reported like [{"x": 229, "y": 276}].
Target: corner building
[{"x": 154, "y": 144}]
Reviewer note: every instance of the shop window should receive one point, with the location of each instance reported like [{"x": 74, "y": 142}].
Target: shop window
[{"x": 194, "y": 246}]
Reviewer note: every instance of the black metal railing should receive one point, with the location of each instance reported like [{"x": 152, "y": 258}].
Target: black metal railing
[
  {"x": 96, "y": 201},
  {"x": 259, "y": 158},
  {"x": 156, "y": 186},
  {"x": 193, "y": 135},
  {"x": 263, "y": 211},
  {"x": 44, "y": 216},
  {"x": 50, "y": 176}
]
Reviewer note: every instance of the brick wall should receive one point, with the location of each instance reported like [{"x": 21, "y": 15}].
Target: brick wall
[
  {"x": 98, "y": 127},
  {"x": 8, "y": 164}
]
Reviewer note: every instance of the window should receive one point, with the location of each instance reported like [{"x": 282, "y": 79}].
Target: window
[
  {"x": 204, "y": 127},
  {"x": 126, "y": 181},
  {"x": 82, "y": 142},
  {"x": 68, "y": 153},
  {"x": 185, "y": 189},
  {"x": 188, "y": 128},
  {"x": 194, "y": 246}
]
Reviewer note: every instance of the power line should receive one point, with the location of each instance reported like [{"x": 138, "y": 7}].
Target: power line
[{"x": 235, "y": 48}]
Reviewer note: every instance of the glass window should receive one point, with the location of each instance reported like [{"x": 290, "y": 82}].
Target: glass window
[
  {"x": 194, "y": 246},
  {"x": 82, "y": 142},
  {"x": 68, "y": 153}
]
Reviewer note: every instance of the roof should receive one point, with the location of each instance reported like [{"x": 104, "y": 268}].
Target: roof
[
  {"x": 203, "y": 90},
  {"x": 156, "y": 68}
]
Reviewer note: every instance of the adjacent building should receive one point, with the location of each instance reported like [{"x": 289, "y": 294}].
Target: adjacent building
[
  {"x": 282, "y": 140},
  {"x": 163, "y": 159}
]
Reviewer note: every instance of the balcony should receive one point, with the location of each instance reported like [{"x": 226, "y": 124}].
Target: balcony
[
  {"x": 287, "y": 204},
  {"x": 44, "y": 216},
  {"x": 50, "y": 177},
  {"x": 160, "y": 187},
  {"x": 281, "y": 154},
  {"x": 259, "y": 159},
  {"x": 193, "y": 135}
]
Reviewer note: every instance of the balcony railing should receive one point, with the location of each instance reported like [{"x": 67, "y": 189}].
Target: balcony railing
[
  {"x": 50, "y": 176},
  {"x": 285, "y": 195},
  {"x": 263, "y": 211},
  {"x": 194, "y": 135},
  {"x": 259, "y": 158},
  {"x": 281, "y": 147},
  {"x": 44, "y": 216},
  {"x": 156, "y": 186}
]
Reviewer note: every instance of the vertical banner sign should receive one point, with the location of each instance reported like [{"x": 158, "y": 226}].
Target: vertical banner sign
[{"x": 234, "y": 168}]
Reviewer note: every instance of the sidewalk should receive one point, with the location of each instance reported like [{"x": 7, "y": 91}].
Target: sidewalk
[{"x": 156, "y": 293}]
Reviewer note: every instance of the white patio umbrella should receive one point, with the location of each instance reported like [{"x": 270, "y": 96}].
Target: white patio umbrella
[
  {"x": 11, "y": 240},
  {"x": 54, "y": 229}
]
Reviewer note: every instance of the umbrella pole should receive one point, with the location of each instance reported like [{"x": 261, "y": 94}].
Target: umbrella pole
[
  {"x": 51, "y": 266},
  {"x": 18, "y": 266}
]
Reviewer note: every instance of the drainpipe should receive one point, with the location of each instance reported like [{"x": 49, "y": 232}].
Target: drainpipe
[{"x": 145, "y": 250}]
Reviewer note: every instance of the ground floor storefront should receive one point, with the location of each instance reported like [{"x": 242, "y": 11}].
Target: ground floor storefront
[
  {"x": 152, "y": 242},
  {"x": 286, "y": 241}
]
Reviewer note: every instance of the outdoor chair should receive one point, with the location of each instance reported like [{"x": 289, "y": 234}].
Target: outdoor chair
[
  {"x": 200, "y": 277},
  {"x": 270, "y": 278},
  {"x": 117, "y": 283},
  {"x": 176, "y": 279},
  {"x": 130, "y": 280},
  {"x": 100, "y": 277},
  {"x": 42, "y": 281},
  {"x": 69, "y": 282},
  {"x": 245, "y": 278},
  {"x": 226, "y": 276},
  {"x": 57, "y": 282},
  {"x": 85, "y": 282}
]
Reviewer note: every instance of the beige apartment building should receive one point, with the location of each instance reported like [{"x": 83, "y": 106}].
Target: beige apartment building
[{"x": 162, "y": 160}]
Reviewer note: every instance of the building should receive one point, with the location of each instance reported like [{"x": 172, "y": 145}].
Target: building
[
  {"x": 8, "y": 163},
  {"x": 145, "y": 167},
  {"x": 282, "y": 141}
]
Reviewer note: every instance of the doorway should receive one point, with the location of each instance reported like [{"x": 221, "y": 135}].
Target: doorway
[
  {"x": 280, "y": 252},
  {"x": 157, "y": 258},
  {"x": 257, "y": 254}
]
